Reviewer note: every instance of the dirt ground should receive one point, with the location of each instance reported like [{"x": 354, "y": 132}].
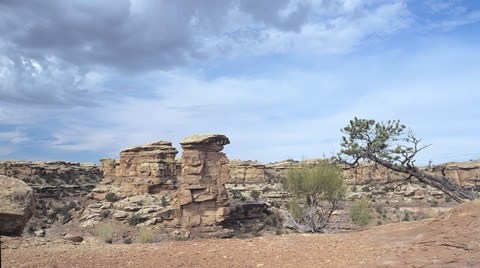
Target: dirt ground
[{"x": 451, "y": 240}]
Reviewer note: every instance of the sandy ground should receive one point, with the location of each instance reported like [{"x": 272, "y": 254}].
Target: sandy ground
[{"x": 451, "y": 240}]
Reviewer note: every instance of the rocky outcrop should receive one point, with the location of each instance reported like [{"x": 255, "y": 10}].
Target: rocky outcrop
[
  {"x": 54, "y": 173},
  {"x": 144, "y": 169},
  {"x": 463, "y": 173},
  {"x": 17, "y": 204},
  {"x": 57, "y": 186},
  {"x": 201, "y": 197},
  {"x": 466, "y": 174}
]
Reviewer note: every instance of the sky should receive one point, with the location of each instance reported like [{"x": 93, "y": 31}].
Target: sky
[{"x": 82, "y": 80}]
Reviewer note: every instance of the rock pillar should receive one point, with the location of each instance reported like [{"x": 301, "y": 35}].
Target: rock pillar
[{"x": 202, "y": 198}]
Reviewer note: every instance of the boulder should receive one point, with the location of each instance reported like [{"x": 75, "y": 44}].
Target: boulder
[{"x": 17, "y": 203}]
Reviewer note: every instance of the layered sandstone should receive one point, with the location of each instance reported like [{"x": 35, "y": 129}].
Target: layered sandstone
[
  {"x": 53, "y": 173},
  {"x": 144, "y": 169},
  {"x": 466, "y": 174},
  {"x": 202, "y": 198},
  {"x": 17, "y": 204}
]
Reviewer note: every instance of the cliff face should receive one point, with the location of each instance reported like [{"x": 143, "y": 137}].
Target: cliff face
[
  {"x": 144, "y": 169},
  {"x": 60, "y": 187},
  {"x": 466, "y": 174},
  {"x": 55, "y": 173}
]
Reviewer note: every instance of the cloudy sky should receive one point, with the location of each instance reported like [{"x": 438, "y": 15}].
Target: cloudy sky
[{"x": 81, "y": 80}]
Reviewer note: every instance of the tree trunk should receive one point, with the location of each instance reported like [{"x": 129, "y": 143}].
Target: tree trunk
[{"x": 442, "y": 183}]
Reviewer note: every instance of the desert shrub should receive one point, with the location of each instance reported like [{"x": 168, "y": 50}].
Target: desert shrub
[
  {"x": 145, "y": 235},
  {"x": 105, "y": 213},
  {"x": 106, "y": 232},
  {"x": 134, "y": 219},
  {"x": 164, "y": 201},
  {"x": 366, "y": 188},
  {"x": 278, "y": 231},
  {"x": 236, "y": 194},
  {"x": 127, "y": 240},
  {"x": 322, "y": 188},
  {"x": 406, "y": 217},
  {"x": 255, "y": 195},
  {"x": 295, "y": 209},
  {"x": 111, "y": 197},
  {"x": 272, "y": 220},
  {"x": 360, "y": 213},
  {"x": 448, "y": 199}
]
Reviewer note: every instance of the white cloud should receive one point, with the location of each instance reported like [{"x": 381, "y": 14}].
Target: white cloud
[{"x": 9, "y": 141}]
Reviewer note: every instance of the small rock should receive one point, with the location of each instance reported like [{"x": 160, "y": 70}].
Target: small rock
[
  {"x": 73, "y": 237},
  {"x": 40, "y": 233}
]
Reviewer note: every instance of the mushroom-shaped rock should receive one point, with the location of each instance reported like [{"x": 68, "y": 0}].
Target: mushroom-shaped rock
[
  {"x": 209, "y": 142},
  {"x": 17, "y": 204}
]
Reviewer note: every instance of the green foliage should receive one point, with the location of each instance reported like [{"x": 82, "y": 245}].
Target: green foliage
[
  {"x": 127, "y": 240},
  {"x": 111, "y": 197},
  {"x": 145, "y": 235},
  {"x": 366, "y": 138},
  {"x": 366, "y": 189},
  {"x": 321, "y": 182},
  {"x": 236, "y": 194},
  {"x": 360, "y": 213},
  {"x": 106, "y": 232},
  {"x": 255, "y": 195},
  {"x": 322, "y": 188},
  {"x": 295, "y": 209},
  {"x": 164, "y": 201},
  {"x": 134, "y": 219},
  {"x": 105, "y": 213},
  {"x": 406, "y": 217}
]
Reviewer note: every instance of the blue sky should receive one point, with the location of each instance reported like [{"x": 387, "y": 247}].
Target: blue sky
[{"x": 81, "y": 80}]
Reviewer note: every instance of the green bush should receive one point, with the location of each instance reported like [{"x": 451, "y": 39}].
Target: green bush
[
  {"x": 105, "y": 213},
  {"x": 127, "y": 240},
  {"x": 145, "y": 235},
  {"x": 134, "y": 219},
  {"x": 236, "y": 194},
  {"x": 164, "y": 201},
  {"x": 106, "y": 232},
  {"x": 322, "y": 187},
  {"x": 255, "y": 195},
  {"x": 111, "y": 197},
  {"x": 360, "y": 213}
]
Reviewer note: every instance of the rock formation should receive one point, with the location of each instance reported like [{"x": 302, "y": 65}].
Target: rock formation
[
  {"x": 144, "y": 169},
  {"x": 202, "y": 198},
  {"x": 17, "y": 204},
  {"x": 54, "y": 173}
]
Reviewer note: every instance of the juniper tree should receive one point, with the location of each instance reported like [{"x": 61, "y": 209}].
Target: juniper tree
[{"x": 389, "y": 144}]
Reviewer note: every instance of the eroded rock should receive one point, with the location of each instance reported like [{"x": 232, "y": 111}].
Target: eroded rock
[
  {"x": 17, "y": 204},
  {"x": 202, "y": 198}
]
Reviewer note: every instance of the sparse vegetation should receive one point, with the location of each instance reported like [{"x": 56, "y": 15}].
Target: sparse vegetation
[
  {"x": 164, "y": 201},
  {"x": 105, "y": 213},
  {"x": 360, "y": 212},
  {"x": 387, "y": 144},
  {"x": 255, "y": 195},
  {"x": 134, "y": 219},
  {"x": 111, "y": 197},
  {"x": 145, "y": 235},
  {"x": 106, "y": 232},
  {"x": 322, "y": 189},
  {"x": 236, "y": 194}
]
